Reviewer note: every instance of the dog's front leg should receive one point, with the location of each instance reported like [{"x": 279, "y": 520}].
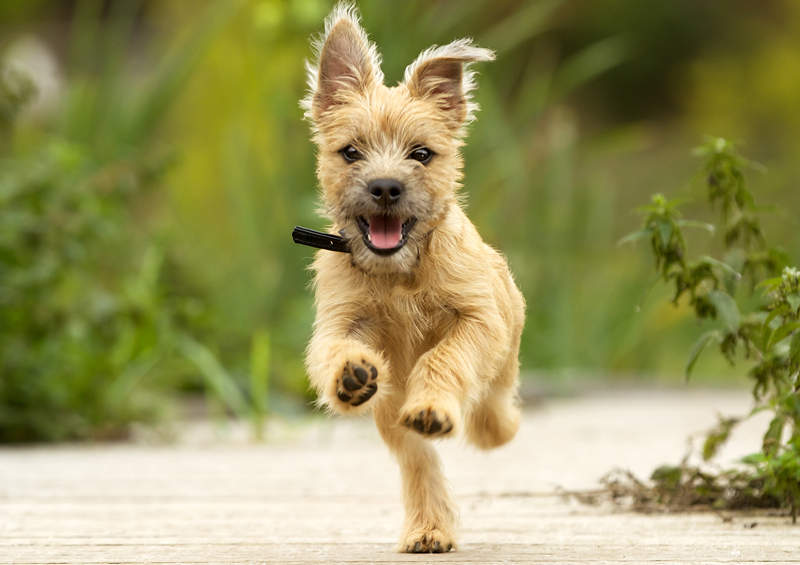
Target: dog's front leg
[
  {"x": 342, "y": 367},
  {"x": 430, "y": 522},
  {"x": 448, "y": 374}
]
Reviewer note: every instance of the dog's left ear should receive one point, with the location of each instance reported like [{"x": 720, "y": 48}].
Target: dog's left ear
[{"x": 443, "y": 74}]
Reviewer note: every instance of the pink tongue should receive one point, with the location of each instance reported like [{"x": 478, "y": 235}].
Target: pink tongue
[{"x": 385, "y": 232}]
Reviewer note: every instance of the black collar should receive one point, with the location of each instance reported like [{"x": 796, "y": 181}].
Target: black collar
[{"x": 320, "y": 240}]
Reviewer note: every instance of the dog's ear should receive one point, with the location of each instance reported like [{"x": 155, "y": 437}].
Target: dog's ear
[
  {"x": 347, "y": 63},
  {"x": 443, "y": 73}
]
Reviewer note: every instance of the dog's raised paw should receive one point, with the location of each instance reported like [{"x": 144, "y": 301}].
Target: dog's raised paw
[
  {"x": 428, "y": 542},
  {"x": 357, "y": 383},
  {"x": 429, "y": 422}
]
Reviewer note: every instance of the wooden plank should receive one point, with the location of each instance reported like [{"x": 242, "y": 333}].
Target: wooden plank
[{"x": 328, "y": 492}]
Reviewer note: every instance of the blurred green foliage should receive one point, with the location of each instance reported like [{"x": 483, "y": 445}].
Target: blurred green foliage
[
  {"x": 176, "y": 137},
  {"x": 95, "y": 317},
  {"x": 82, "y": 314}
]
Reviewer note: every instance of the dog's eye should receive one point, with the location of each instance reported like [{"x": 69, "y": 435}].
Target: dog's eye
[
  {"x": 421, "y": 154},
  {"x": 351, "y": 154}
]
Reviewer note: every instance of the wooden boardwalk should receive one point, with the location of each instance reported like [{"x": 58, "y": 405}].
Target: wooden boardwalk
[{"x": 328, "y": 492}]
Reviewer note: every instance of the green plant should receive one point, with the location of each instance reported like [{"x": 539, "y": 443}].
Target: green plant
[
  {"x": 761, "y": 329},
  {"x": 98, "y": 326},
  {"x": 83, "y": 313}
]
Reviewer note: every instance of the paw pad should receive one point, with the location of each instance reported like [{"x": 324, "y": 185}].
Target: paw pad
[
  {"x": 429, "y": 544},
  {"x": 357, "y": 383},
  {"x": 429, "y": 422}
]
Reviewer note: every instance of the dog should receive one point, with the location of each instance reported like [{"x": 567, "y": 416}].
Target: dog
[{"x": 421, "y": 322}]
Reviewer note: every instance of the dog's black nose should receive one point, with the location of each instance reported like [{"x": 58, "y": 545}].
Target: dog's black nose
[{"x": 385, "y": 191}]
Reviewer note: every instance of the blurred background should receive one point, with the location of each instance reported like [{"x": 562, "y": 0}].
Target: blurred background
[{"x": 153, "y": 160}]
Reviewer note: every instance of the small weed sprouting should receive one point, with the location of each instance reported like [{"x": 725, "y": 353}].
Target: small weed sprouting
[{"x": 753, "y": 298}]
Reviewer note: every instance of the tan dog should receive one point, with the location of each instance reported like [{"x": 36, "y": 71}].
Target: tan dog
[{"x": 421, "y": 323}]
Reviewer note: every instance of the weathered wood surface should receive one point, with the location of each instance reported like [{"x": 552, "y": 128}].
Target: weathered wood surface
[{"x": 328, "y": 492}]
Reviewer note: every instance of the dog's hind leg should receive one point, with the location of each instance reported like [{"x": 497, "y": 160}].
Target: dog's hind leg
[
  {"x": 494, "y": 420},
  {"x": 430, "y": 513}
]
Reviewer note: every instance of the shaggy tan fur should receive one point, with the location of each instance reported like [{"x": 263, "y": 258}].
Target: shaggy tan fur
[{"x": 426, "y": 338}]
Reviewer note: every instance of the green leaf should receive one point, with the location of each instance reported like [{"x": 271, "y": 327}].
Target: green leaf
[
  {"x": 754, "y": 459},
  {"x": 522, "y": 25},
  {"x": 259, "y": 378},
  {"x": 218, "y": 379},
  {"x": 718, "y": 436},
  {"x": 635, "y": 236},
  {"x": 665, "y": 232},
  {"x": 698, "y": 348},
  {"x": 590, "y": 62},
  {"x": 781, "y": 333},
  {"x": 794, "y": 351},
  {"x": 727, "y": 310},
  {"x": 771, "y": 316},
  {"x": 667, "y": 476},
  {"x": 772, "y": 438}
]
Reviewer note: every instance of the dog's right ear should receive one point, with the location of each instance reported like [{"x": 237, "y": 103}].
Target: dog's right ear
[{"x": 347, "y": 63}]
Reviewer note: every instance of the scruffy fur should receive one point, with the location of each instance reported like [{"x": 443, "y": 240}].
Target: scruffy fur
[{"x": 426, "y": 338}]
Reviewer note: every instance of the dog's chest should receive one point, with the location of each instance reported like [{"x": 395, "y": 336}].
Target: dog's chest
[{"x": 412, "y": 322}]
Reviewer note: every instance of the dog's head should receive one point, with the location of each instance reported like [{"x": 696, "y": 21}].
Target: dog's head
[{"x": 388, "y": 160}]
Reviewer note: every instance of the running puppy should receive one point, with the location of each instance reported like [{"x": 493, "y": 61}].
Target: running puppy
[{"x": 421, "y": 322}]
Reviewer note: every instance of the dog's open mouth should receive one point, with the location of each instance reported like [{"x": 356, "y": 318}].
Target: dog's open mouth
[{"x": 383, "y": 234}]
